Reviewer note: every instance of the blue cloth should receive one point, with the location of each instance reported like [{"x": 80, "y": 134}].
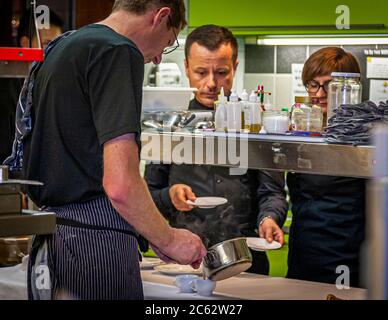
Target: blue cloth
[
  {"x": 353, "y": 124},
  {"x": 24, "y": 107}
]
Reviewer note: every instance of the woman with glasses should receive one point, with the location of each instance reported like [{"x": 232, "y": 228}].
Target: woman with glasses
[{"x": 328, "y": 225}]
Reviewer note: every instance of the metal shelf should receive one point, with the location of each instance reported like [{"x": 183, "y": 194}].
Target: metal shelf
[
  {"x": 27, "y": 223},
  {"x": 268, "y": 152}
]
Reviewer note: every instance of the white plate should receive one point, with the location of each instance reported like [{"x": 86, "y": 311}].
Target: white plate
[
  {"x": 207, "y": 202},
  {"x": 176, "y": 269},
  {"x": 150, "y": 263},
  {"x": 261, "y": 244}
]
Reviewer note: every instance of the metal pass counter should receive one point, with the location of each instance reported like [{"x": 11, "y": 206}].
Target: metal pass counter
[{"x": 270, "y": 152}]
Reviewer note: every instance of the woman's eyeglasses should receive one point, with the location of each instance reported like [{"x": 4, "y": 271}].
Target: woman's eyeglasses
[
  {"x": 313, "y": 86},
  {"x": 175, "y": 46}
]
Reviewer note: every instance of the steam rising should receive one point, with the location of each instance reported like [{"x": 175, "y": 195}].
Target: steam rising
[{"x": 212, "y": 225}]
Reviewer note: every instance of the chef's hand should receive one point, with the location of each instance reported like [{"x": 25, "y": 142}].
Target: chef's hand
[
  {"x": 179, "y": 194},
  {"x": 185, "y": 248},
  {"x": 270, "y": 230},
  {"x": 163, "y": 257}
]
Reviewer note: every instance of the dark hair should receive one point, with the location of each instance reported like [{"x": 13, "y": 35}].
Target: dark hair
[
  {"x": 178, "y": 10},
  {"x": 24, "y": 24},
  {"x": 211, "y": 37},
  {"x": 327, "y": 60}
]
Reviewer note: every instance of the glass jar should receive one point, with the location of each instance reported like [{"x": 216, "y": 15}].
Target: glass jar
[
  {"x": 276, "y": 121},
  {"x": 299, "y": 112},
  {"x": 345, "y": 88},
  {"x": 306, "y": 115}
]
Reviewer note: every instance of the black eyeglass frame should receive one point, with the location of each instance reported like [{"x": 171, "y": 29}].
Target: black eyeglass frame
[
  {"x": 324, "y": 86},
  {"x": 171, "y": 48}
]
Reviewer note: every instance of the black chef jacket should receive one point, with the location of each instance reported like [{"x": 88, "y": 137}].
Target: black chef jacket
[
  {"x": 328, "y": 227},
  {"x": 9, "y": 95},
  {"x": 251, "y": 197}
]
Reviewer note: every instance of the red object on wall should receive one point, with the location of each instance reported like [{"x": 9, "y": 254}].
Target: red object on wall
[{"x": 21, "y": 54}]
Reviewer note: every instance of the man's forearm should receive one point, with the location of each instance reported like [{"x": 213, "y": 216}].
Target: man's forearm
[
  {"x": 128, "y": 192},
  {"x": 139, "y": 210}
]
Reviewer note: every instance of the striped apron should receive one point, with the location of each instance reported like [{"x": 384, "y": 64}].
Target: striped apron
[{"x": 92, "y": 256}]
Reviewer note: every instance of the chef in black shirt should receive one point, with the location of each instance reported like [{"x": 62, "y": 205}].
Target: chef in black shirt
[
  {"x": 256, "y": 200},
  {"x": 84, "y": 146}
]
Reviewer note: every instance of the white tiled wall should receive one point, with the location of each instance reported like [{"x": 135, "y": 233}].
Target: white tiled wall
[
  {"x": 252, "y": 80},
  {"x": 283, "y": 97},
  {"x": 279, "y": 85}
]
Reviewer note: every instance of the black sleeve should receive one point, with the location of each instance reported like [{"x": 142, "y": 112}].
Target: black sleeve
[
  {"x": 272, "y": 197},
  {"x": 111, "y": 89},
  {"x": 157, "y": 178}
]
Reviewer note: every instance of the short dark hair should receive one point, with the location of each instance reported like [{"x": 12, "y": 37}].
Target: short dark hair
[
  {"x": 327, "y": 60},
  {"x": 24, "y": 24},
  {"x": 211, "y": 37},
  {"x": 178, "y": 9}
]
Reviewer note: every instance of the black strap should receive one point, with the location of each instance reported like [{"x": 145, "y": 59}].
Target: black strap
[{"x": 143, "y": 243}]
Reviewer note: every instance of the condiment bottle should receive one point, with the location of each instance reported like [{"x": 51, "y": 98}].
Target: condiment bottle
[
  {"x": 245, "y": 112},
  {"x": 220, "y": 115},
  {"x": 254, "y": 114},
  {"x": 233, "y": 113}
]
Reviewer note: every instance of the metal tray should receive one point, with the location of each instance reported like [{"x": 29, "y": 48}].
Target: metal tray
[{"x": 27, "y": 223}]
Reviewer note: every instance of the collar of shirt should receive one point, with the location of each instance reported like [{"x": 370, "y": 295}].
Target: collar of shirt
[{"x": 196, "y": 105}]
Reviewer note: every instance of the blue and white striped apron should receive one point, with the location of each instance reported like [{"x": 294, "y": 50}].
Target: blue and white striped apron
[{"x": 92, "y": 256}]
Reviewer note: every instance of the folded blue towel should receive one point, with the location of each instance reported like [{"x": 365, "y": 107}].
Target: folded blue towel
[{"x": 353, "y": 124}]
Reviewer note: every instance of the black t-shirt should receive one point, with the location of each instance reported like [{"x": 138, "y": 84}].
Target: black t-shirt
[
  {"x": 9, "y": 95},
  {"x": 87, "y": 92}
]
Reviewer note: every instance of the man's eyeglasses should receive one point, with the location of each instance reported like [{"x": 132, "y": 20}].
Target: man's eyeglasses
[
  {"x": 313, "y": 86},
  {"x": 175, "y": 46}
]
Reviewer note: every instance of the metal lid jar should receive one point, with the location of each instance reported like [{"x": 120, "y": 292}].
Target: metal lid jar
[{"x": 345, "y": 88}]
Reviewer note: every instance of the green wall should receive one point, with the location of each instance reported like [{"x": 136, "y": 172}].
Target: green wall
[{"x": 249, "y": 16}]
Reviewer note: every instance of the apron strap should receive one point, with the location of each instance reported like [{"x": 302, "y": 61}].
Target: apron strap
[{"x": 143, "y": 243}]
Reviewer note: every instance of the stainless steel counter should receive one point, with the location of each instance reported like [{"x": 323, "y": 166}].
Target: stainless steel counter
[{"x": 270, "y": 152}]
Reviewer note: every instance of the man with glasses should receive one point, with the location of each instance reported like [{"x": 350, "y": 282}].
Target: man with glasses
[
  {"x": 256, "y": 200},
  {"x": 84, "y": 147},
  {"x": 172, "y": 48},
  {"x": 328, "y": 222}
]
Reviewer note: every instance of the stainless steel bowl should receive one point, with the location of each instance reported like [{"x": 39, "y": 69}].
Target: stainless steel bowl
[{"x": 227, "y": 259}]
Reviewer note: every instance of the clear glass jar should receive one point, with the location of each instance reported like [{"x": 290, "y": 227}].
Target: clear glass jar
[
  {"x": 306, "y": 115},
  {"x": 345, "y": 88},
  {"x": 299, "y": 112},
  {"x": 276, "y": 121}
]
